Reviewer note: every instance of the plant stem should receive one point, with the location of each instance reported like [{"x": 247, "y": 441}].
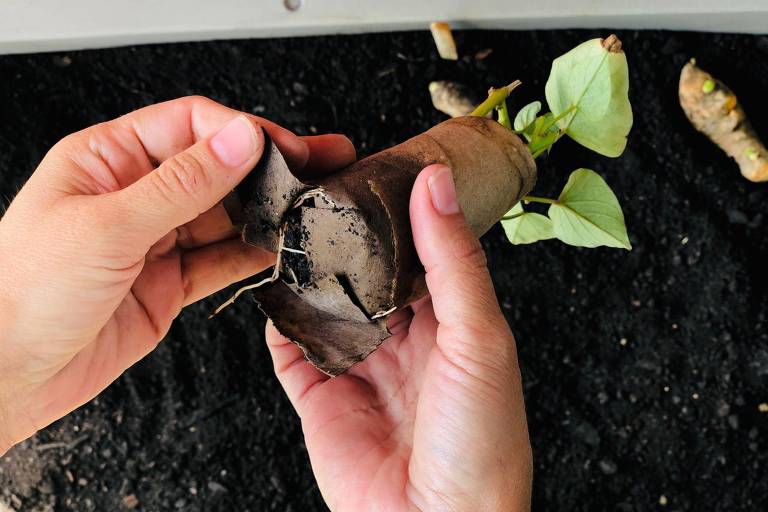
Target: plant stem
[
  {"x": 510, "y": 217},
  {"x": 557, "y": 118},
  {"x": 535, "y": 146},
  {"x": 534, "y": 199},
  {"x": 495, "y": 97},
  {"x": 504, "y": 115}
]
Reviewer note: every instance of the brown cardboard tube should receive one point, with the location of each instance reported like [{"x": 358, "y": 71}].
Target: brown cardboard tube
[{"x": 347, "y": 256}]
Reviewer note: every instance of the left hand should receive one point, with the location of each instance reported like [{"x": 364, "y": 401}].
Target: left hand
[{"x": 103, "y": 247}]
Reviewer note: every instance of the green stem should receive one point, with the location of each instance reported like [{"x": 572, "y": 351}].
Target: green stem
[
  {"x": 504, "y": 115},
  {"x": 510, "y": 217},
  {"x": 557, "y": 118},
  {"x": 495, "y": 97},
  {"x": 534, "y": 199},
  {"x": 539, "y": 144}
]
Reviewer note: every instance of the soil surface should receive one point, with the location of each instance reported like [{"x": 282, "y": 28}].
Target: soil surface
[{"x": 643, "y": 371}]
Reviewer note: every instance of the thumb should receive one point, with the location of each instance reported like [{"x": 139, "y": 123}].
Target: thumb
[
  {"x": 190, "y": 182},
  {"x": 472, "y": 327}
]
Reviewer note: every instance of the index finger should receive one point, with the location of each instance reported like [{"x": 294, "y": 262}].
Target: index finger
[{"x": 168, "y": 128}]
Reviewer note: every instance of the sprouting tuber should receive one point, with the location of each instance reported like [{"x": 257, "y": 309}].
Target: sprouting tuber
[
  {"x": 714, "y": 110},
  {"x": 346, "y": 258}
]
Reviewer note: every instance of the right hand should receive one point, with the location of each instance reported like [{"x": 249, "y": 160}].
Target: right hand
[{"x": 434, "y": 419}]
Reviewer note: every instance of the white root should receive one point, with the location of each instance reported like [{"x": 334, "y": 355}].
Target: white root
[
  {"x": 271, "y": 279},
  {"x": 381, "y": 314},
  {"x": 315, "y": 192},
  {"x": 239, "y": 292},
  {"x": 293, "y": 275}
]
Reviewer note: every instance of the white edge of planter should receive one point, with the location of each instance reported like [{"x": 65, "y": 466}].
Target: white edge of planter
[{"x": 78, "y": 28}]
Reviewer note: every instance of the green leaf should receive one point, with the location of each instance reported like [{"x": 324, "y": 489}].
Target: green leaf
[
  {"x": 526, "y": 227},
  {"x": 526, "y": 116},
  {"x": 595, "y": 83},
  {"x": 587, "y": 213}
]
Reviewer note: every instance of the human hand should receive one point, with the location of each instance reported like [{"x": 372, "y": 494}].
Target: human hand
[
  {"x": 434, "y": 419},
  {"x": 102, "y": 247}
]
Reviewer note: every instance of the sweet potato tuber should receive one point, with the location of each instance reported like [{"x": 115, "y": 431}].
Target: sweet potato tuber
[
  {"x": 346, "y": 254},
  {"x": 714, "y": 110}
]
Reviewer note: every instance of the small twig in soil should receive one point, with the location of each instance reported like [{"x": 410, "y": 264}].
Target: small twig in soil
[{"x": 60, "y": 444}]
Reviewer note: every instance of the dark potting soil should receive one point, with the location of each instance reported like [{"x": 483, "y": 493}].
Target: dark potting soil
[{"x": 643, "y": 371}]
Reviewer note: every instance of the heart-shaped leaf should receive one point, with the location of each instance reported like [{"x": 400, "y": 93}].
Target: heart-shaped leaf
[
  {"x": 587, "y": 213},
  {"x": 526, "y": 116},
  {"x": 593, "y": 82},
  {"x": 526, "y": 227}
]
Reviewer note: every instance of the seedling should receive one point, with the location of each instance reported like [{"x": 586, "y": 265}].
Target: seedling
[
  {"x": 346, "y": 258},
  {"x": 587, "y": 96}
]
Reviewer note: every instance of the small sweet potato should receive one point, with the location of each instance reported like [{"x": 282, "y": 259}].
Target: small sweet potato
[{"x": 714, "y": 110}]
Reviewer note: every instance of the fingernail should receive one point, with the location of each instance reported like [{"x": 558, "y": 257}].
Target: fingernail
[
  {"x": 443, "y": 191},
  {"x": 235, "y": 144}
]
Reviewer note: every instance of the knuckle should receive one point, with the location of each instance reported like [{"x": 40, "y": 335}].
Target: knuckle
[
  {"x": 466, "y": 249},
  {"x": 67, "y": 142},
  {"x": 478, "y": 356},
  {"x": 70, "y": 145},
  {"x": 182, "y": 175},
  {"x": 197, "y": 99},
  {"x": 196, "y": 103}
]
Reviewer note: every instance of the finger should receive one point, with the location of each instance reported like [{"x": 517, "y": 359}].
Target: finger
[
  {"x": 115, "y": 154},
  {"x": 328, "y": 153},
  {"x": 216, "y": 266},
  {"x": 297, "y": 376},
  {"x": 168, "y": 128},
  {"x": 473, "y": 328},
  {"x": 211, "y": 226},
  {"x": 186, "y": 184}
]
